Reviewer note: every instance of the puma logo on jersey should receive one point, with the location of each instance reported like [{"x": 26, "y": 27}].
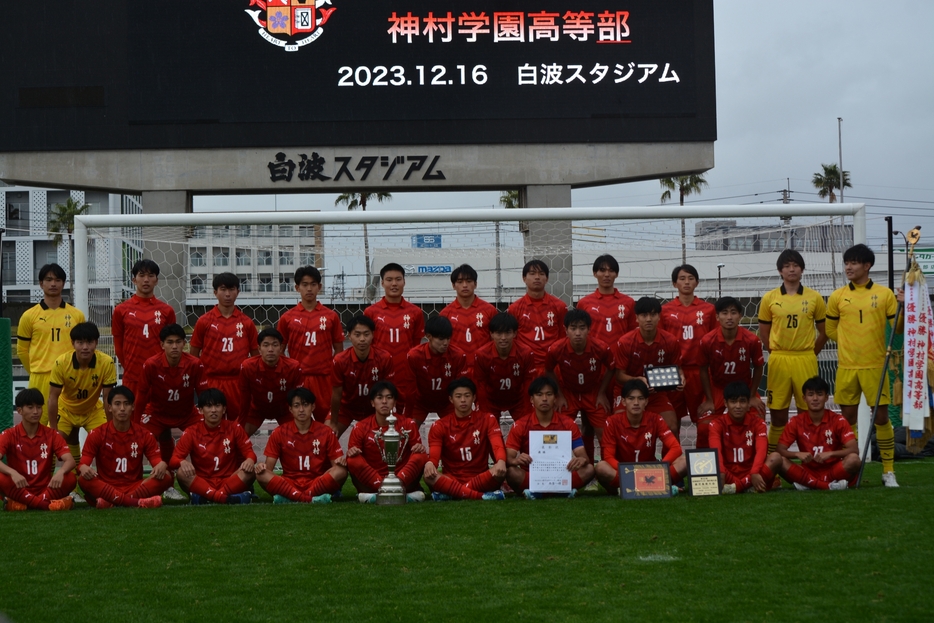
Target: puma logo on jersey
[
  {"x": 202, "y": 446},
  {"x": 526, "y": 316},
  {"x": 453, "y": 437},
  {"x": 214, "y": 326},
  {"x": 109, "y": 445},
  {"x": 131, "y": 314},
  {"x": 291, "y": 443}
]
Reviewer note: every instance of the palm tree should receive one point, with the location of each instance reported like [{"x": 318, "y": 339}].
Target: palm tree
[
  {"x": 829, "y": 181},
  {"x": 359, "y": 200},
  {"x": 509, "y": 199},
  {"x": 685, "y": 185},
  {"x": 62, "y": 223}
]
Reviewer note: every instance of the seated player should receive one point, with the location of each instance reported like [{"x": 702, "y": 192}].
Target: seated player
[
  {"x": 543, "y": 393},
  {"x": 827, "y": 447},
  {"x": 30, "y": 450},
  {"x": 462, "y": 446},
  {"x": 469, "y": 314},
  {"x": 742, "y": 441},
  {"x": 221, "y": 465},
  {"x": 503, "y": 371},
  {"x": 313, "y": 464},
  {"x": 365, "y": 458},
  {"x": 117, "y": 448},
  {"x": 265, "y": 382},
  {"x": 630, "y": 436},
  {"x": 355, "y": 371},
  {"x": 433, "y": 365}
]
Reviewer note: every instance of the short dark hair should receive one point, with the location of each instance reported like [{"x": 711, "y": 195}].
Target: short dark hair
[
  {"x": 815, "y": 384},
  {"x": 439, "y": 327},
  {"x": 726, "y": 302},
  {"x": 145, "y": 266},
  {"x": 391, "y": 266},
  {"x": 637, "y": 385},
  {"x": 608, "y": 261},
  {"x": 212, "y": 396},
  {"x": 29, "y": 397},
  {"x": 647, "y": 305},
  {"x": 303, "y": 393},
  {"x": 462, "y": 382},
  {"x": 361, "y": 319},
  {"x": 504, "y": 322},
  {"x": 269, "y": 332},
  {"x": 226, "y": 280},
  {"x": 464, "y": 271},
  {"x": 540, "y": 383},
  {"x": 860, "y": 253},
  {"x": 381, "y": 386},
  {"x": 172, "y": 329},
  {"x": 686, "y": 268},
  {"x": 577, "y": 315},
  {"x": 736, "y": 390},
  {"x": 121, "y": 390},
  {"x": 307, "y": 271},
  {"x": 537, "y": 265},
  {"x": 85, "y": 331},
  {"x": 55, "y": 269},
  {"x": 788, "y": 256}
]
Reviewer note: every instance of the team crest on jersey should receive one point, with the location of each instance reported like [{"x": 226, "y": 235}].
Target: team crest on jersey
[
  {"x": 804, "y": 307},
  {"x": 290, "y": 24},
  {"x": 661, "y": 356},
  {"x": 742, "y": 354},
  {"x": 479, "y": 320},
  {"x": 226, "y": 446},
  {"x": 748, "y": 437},
  {"x": 700, "y": 317},
  {"x": 375, "y": 372},
  {"x": 829, "y": 436},
  {"x": 648, "y": 440},
  {"x": 67, "y": 320},
  {"x": 317, "y": 447},
  {"x": 622, "y": 311},
  {"x": 239, "y": 329},
  {"x": 447, "y": 369},
  {"x": 593, "y": 364},
  {"x": 406, "y": 321},
  {"x": 323, "y": 325},
  {"x": 133, "y": 449},
  {"x": 875, "y": 300},
  {"x": 158, "y": 317},
  {"x": 551, "y": 319},
  {"x": 95, "y": 378},
  {"x": 185, "y": 379},
  {"x": 476, "y": 438},
  {"x": 44, "y": 451},
  {"x": 282, "y": 385},
  {"x": 515, "y": 369}
]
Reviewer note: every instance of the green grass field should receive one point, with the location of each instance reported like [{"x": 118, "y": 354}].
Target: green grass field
[{"x": 862, "y": 555}]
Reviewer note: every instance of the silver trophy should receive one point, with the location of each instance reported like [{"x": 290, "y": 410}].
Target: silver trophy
[{"x": 392, "y": 491}]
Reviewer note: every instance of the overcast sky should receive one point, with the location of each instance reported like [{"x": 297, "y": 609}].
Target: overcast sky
[{"x": 785, "y": 72}]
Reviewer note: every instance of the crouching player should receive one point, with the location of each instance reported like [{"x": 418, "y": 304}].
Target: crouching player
[
  {"x": 222, "y": 458},
  {"x": 630, "y": 436},
  {"x": 30, "y": 450},
  {"x": 543, "y": 392},
  {"x": 119, "y": 447},
  {"x": 827, "y": 447},
  {"x": 313, "y": 464},
  {"x": 742, "y": 441},
  {"x": 365, "y": 458},
  {"x": 463, "y": 444}
]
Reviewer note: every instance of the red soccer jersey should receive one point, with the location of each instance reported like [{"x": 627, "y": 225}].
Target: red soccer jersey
[
  {"x": 689, "y": 324},
  {"x": 729, "y": 363},
  {"x": 579, "y": 375},
  {"x": 399, "y": 328},
  {"x": 432, "y": 374},
  {"x": 464, "y": 445},
  {"x": 263, "y": 388},
  {"x": 502, "y": 384},
  {"x": 518, "y": 439},
  {"x": 830, "y": 435},
  {"x": 743, "y": 447},
  {"x": 225, "y": 343},
  {"x": 612, "y": 315},
  {"x": 310, "y": 336},
  {"x": 355, "y": 377},
  {"x": 471, "y": 325},
  {"x": 168, "y": 393},
  {"x": 363, "y": 436},
  {"x": 624, "y": 443},
  {"x": 33, "y": 458},
  {"x": 541, "y": 323},
  {"x": 633, "y": 354},
  {"x": 120, "y": 454},
  {"x": 135, "y": 326},
  {"x": 216, "y": 453},
  {"x": 303, "y": 457}
]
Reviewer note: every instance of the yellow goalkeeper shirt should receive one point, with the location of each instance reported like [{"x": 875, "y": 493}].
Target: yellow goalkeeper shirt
[
  {"x": 44, "y": 334},
  {"x": 81, "y": 387},
  {"x": 856, "y": 319},
  {"x": 792, "y": 316}
]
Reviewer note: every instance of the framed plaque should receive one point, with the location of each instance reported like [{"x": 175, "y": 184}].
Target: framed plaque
[
  {"x": 663, "y": 377},
  {"x": 704, "y": 471},
  {"x": 638, "y": 481}
]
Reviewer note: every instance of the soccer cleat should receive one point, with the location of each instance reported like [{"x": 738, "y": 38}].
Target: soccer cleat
[
  {"x": 777, "y": 482},
  {"x": 151, "y": 502},
  {"x": 494, "y": 495},
  {"x": 415, "y": 497},
  {"x": 838, "y": 485},
  {"x": 76, "y": 498},
  {"x": 367, "y": 498},
  {"x": 801, "y": 487},
  {"x": 530, "y": 495},
  {"x": 197, "y": 500},
  {"x": 173, "y": 494},
  {"x": 337, "y": 494},
  {"x": 64, "y": 504},
  {"x": 324, "y": 498},
  {"x": 13, "y": 505},
  {"x": 240, "y": 498},
  {"x": 506, "y": 488},
  {"x": 729, "y": 489},
  {"x": 102, "y": 504},
  {"x": 888, "y": 479},
  {"x": 571, "y": 495},
  {"x": 592, "y": 486},
  {"x": 281, "y": 499},
  {"x": 675, "y": 490},
  {"x": 442, "y": 497}
]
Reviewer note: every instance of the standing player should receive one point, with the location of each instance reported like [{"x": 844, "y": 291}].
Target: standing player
[
  {"x": 30, "y": 450},
  {"x": 137, "y": 322},
  {"x": 224, "y": 338},
  {"x": 433, "y": 365},
  {"x": 464, "y": 444},
  {"x": 118, "y": 448},
  {"x": 540, "y": 315},
  {"x": 355, "y": 371},
  {"x": 857, "y": 317},
  {"x": 221, "y": 468},
  {"x": 503, "y": 371},
  {"x": 39, "y": 339},
  {"x": 611, "y": 310},
  {"x": 365, "y": 458},
  {"x": 265, "y": 383},
  {"x": 742, "y": 442},
  {"x": 313, "y": 464},
  {"x": 313, "y": 334},
  {"x": 791, "y": 327},
  {"x": 400, "y": 327},
  {"x": 469, "y": 314}
]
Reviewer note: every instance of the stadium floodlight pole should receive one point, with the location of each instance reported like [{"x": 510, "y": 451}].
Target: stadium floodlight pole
[
  {"x": 2, "y": 231},
  {"x": 891, "y": 251},
  {"x": 719, "y": 282}
]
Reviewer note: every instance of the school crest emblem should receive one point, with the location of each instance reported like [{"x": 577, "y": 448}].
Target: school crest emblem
[{"x": 290, "y": 24}]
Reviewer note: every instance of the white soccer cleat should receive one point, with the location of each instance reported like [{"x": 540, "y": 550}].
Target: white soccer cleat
[
  {"x": 838, "y": 485},
  {"x": 801, "y": 487},
  {"x": 729, "y": 489},
  {"x": 366, "y": 498},
  {"x": 415, "y": 497},
  {"x": 888, "y": 479},
  {"x": 77, "y": 499},
  {"x": 592, "y": 486},
  {"x": 173, "y": 494}
]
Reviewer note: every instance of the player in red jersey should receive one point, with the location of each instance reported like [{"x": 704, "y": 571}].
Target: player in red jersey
[
  {"x": 540, "y": 315},
  {"x": 365, "y": 450},
  {"x": 221, "y": 465},
  {"x": 118, "y": 447},
  {"x": 137, "y": 321},
  {"x": 827, "y": 447},
  {"x": 611, "y": 310},
  {"x": 355, "y": 371},
  {"x": 30, "y": 450},
  {"x": 266, "y": 381},
  {"x": 503, "y": 371},
  {"x": 742, "y": 440},
  {"x": 400, "y": 326},
  {"x": 434, "y": 364},
  {"x": 314, "y": 335},
  {"x": 630, "y": 436},
  {"x": 543, "y": 393},
  {"x": 464, "y": 444},
  {"x": 649, "y": 346},
  {"x": 583, "y": 367},
  {"x": 313, "y": 464},
  {"x": 469, "y": 314},
  {"x": 223, "y": 339},
  {"x": 727, "y": 355},
  {"x": 689, "y": 319}
]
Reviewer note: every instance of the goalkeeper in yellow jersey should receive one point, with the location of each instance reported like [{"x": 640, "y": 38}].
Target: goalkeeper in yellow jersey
[{"x": 857, "y": 315}]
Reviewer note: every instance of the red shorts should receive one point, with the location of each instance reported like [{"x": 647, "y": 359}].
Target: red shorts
[
  {"x": 687, "y": 401},
  {"x": 419, "y": 413},
  {"x": 586, "y": 404},
  {"x": 320, "y": 386},
  {"x": 823, "y": 473},
  {"x": 228, "y": 485},
  {"x": 516, "y": 411},
  {"x": 659, "y": 402},
  {"x": 230, "y": 386},
  {"x": 157, "y": 425},
  {"x": 346, "y": 417}
]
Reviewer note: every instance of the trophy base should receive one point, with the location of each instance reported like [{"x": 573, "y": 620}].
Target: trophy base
[{"x": 391, "y": 493}]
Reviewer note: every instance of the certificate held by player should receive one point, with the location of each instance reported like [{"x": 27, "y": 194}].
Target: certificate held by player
[{"x": 551, "y": 452}]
